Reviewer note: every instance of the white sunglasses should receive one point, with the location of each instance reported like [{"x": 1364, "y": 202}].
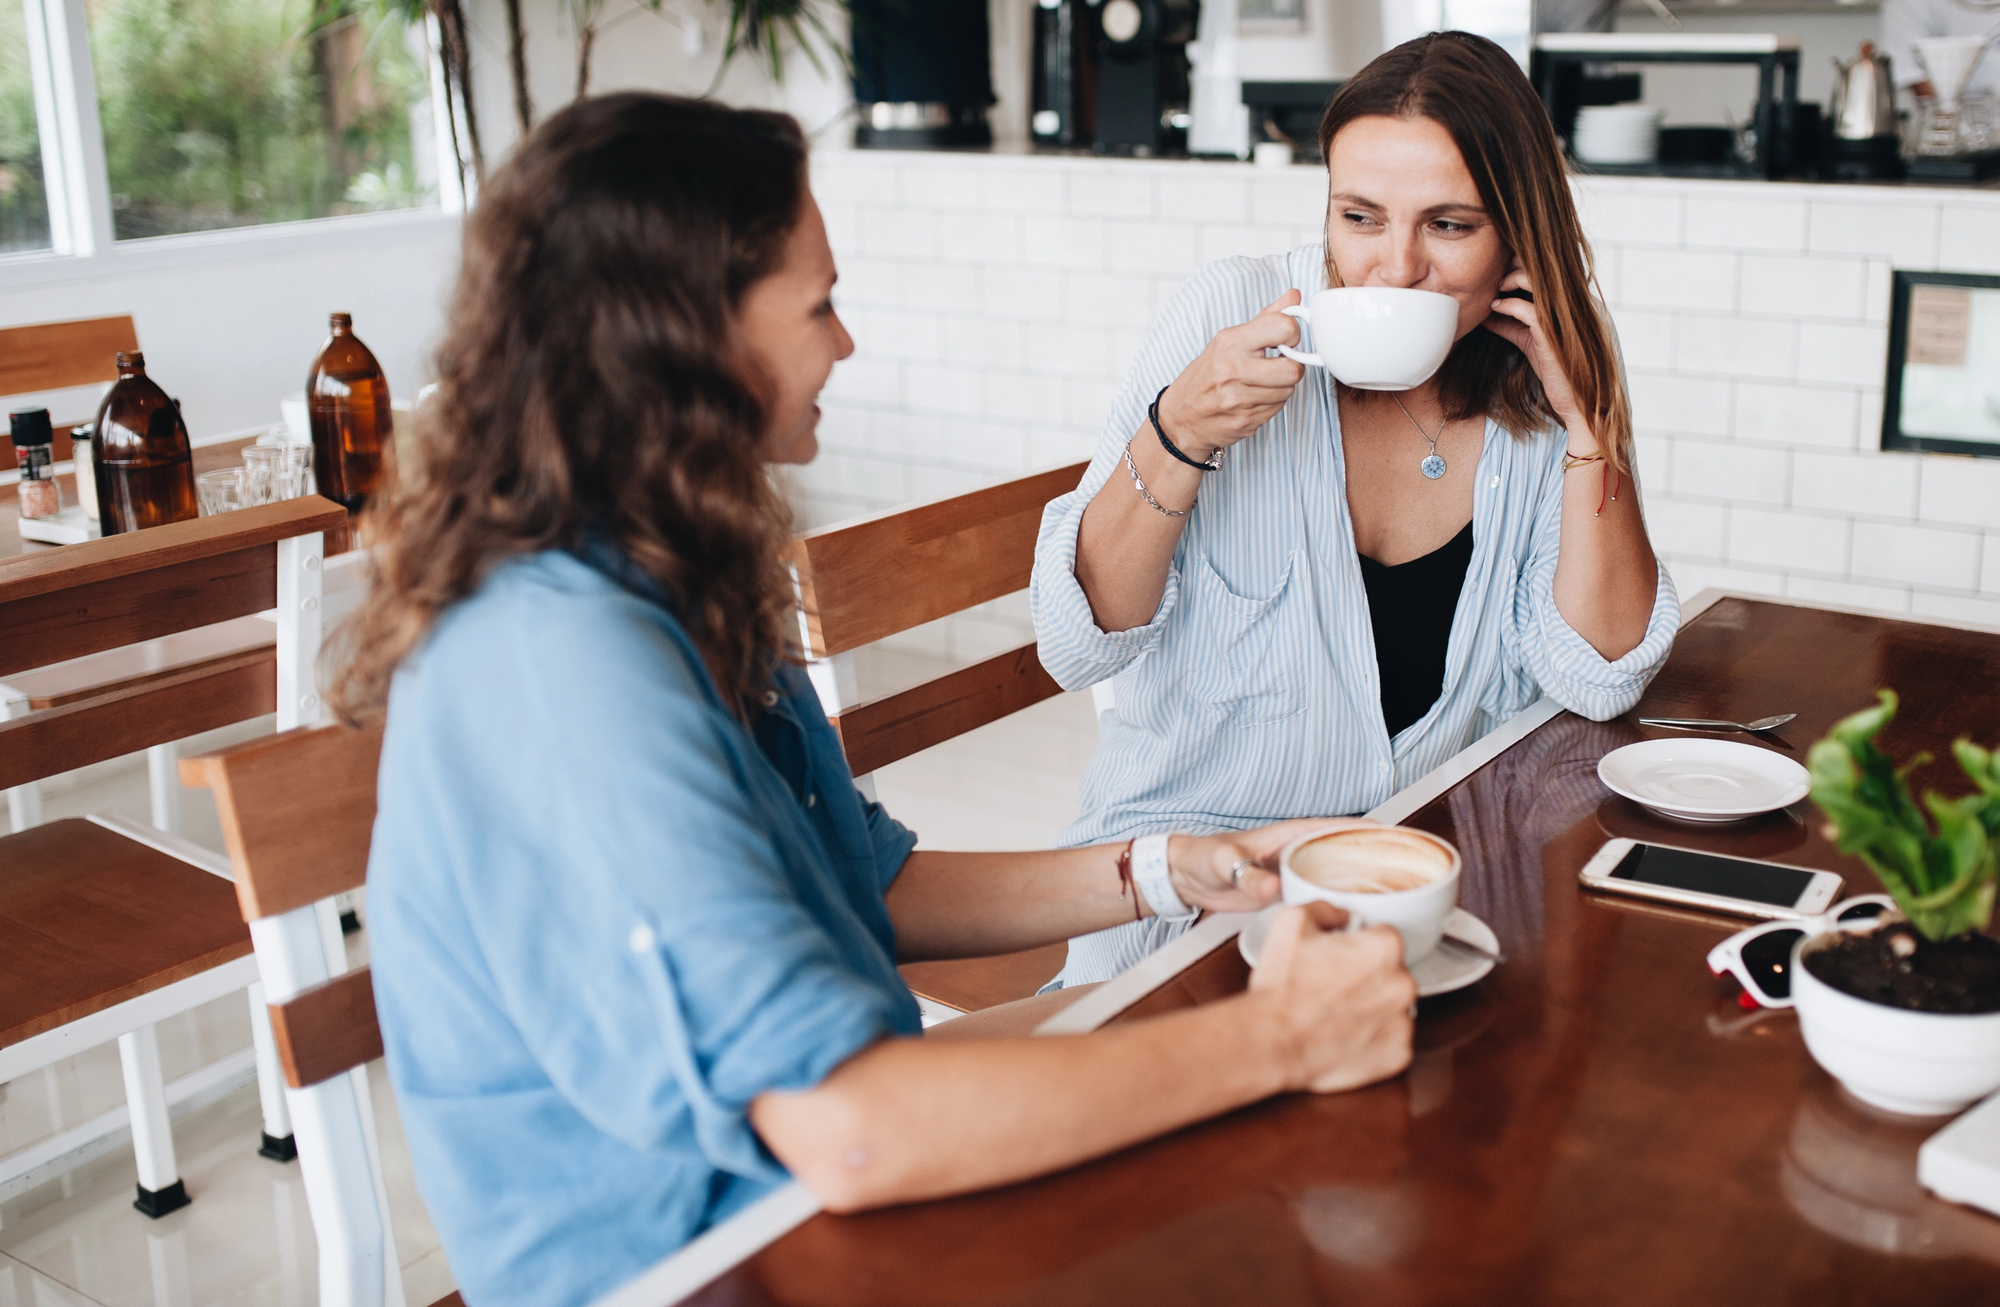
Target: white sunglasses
[{"x": 1761, "y": 957}]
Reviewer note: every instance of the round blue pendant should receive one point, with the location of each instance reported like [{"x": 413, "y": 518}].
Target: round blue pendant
[{"x": 1433, "y": 467}]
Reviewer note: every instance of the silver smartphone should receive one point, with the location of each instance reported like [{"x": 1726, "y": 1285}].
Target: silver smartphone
[{"x": 1709, "y": 880}]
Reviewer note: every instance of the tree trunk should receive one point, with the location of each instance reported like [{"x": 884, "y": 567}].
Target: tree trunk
[
  {"x": 517, "y": 62},
  {"x": 457, "y": 56}
]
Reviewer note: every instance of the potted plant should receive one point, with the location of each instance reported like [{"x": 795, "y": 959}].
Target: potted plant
[{"x": 1906, "y": 1014}]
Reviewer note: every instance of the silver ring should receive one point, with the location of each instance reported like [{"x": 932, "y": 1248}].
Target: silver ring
[{"x": 1236, "y": 872}]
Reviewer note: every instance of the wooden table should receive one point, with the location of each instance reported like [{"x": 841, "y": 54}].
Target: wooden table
[
  {"x": 1597, "y": 1122},
  {"x": 207, "y": 458}
]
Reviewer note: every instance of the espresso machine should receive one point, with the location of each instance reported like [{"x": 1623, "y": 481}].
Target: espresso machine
[
  {"x": 922, "y": 73},
  {"x": 1142, "y": 75},
  {"x": 1063, "y": 104}
]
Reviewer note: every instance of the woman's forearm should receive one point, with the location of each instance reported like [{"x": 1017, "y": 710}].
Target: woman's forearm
[
  {"x": 963, "y": 905},
  {"x": 1606, "y": 575},
  {"x": 909, "y": 1119},
  {"x": 1125, "y": 545}
]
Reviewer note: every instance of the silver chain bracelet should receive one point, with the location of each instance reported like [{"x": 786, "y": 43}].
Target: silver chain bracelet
[{"x": 1144, "y": 493}]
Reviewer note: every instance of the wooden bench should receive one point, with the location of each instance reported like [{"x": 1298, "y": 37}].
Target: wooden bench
[{"x": 107, "y": 926}]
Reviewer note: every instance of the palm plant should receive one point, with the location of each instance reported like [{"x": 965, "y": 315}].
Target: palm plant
[{"x": 1943, "y": 878}]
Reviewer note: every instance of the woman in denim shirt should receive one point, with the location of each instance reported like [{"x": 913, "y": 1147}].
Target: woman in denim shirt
[{"x": 635, "y": 933}]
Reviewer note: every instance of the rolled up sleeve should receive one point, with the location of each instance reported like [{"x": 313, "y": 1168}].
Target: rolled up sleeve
[
  {"x": 673, "y": 969},
  {"x": 1074, "y": 649},
  {"x": 1565, "y": 665}
]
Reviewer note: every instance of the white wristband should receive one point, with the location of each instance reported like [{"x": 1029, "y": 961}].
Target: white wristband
[{"x": 1149, "y": 872}]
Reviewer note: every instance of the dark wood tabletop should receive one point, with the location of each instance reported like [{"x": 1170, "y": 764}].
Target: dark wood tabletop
[{"x": 1597, "y": 1122}]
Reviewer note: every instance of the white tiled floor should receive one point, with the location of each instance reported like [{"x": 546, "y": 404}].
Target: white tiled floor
[{"x": 247, "y": 1238}]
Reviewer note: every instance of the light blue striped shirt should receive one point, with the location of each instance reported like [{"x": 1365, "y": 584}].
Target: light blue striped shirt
[{"x": 1253, "y": 695}]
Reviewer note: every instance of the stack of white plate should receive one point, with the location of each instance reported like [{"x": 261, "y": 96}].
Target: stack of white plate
[{"x": 1617, "y": 133}]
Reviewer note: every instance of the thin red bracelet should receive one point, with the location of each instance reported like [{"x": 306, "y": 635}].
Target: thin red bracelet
[
  {"x": 1125, "y": 879},
  {"x": 1611, "y": 481}
]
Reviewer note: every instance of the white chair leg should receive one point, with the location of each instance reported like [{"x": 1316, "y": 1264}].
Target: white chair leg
[
  {"x": 160, "y": 1187},
  {"x": 278, "y": 1144},
  {"x": 163, "y": 779}
]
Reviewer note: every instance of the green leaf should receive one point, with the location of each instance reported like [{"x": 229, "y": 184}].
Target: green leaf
[{"x": 1944, "y": 880}]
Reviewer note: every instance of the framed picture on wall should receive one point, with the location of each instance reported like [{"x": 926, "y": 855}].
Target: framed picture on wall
[{"x": 1943, "y": 391}]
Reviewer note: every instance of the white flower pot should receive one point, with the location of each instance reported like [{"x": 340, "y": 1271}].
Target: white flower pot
[{"x": 1918, "y": 1063}]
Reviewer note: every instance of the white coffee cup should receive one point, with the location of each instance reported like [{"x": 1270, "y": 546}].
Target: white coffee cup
[
  {"x": 1377, "y": 337},
  {"x": 1383, "y": 876}
]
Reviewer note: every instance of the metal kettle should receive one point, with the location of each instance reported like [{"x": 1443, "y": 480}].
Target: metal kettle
[{"x": 1864, "y": 96}]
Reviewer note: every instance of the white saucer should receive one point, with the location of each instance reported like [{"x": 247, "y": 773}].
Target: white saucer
[
  {"x": 1443, "y": 971},
  {"x": 1704, "y": 780}
]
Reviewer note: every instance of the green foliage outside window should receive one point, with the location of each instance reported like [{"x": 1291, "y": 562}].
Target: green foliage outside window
[
  {"x": 228, "y": 113},
  {"x": 24, "y": 208}
]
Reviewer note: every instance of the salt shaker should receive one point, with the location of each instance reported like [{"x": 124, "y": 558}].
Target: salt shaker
[{"x": 34, "y": 450}]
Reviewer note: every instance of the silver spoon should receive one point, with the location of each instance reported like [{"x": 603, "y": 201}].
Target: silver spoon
[{"x": 1705, "y": 724}]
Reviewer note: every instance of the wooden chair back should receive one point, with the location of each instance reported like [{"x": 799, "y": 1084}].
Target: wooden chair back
[
  {"x": 103, "y": 594},
  {"x": 297, "y": 811},
  {"x": 880, "y": 575},
  {"x": 58, "y": 355}
]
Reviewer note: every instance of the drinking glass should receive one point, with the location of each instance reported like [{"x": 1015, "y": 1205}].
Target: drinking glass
[
  {"x": 269, "y": 475},
  {"x": 298, "y": 452},
  {"x": 220, "y": 491}
]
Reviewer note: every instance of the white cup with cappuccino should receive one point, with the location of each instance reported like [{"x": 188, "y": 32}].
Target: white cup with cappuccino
[
  {"x": 1377, "y": 337},
  {"x": 1382, "y": 875}
]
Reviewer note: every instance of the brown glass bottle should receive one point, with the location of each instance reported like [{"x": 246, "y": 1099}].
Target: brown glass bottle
[
  {"x": 143, "y": 462},
  {"x": 348, "y": 400}
]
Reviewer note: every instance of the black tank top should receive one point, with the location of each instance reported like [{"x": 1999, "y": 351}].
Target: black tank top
[{"x": 1410, "y": 606}]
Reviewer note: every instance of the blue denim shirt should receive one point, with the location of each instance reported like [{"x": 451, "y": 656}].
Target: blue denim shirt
[{"x": 604, "y": 917}]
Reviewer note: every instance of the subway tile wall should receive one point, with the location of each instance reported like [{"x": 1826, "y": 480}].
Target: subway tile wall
[{"x": 996, "y": 300}]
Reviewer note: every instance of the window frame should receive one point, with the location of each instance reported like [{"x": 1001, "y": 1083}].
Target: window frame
[{"x": 78, "y": 183}]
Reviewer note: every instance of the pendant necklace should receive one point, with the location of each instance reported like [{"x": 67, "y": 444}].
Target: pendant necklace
[{"x": 1433, "y": 465}]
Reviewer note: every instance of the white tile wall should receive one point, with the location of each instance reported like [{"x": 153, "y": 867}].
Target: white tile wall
[{"x": 996, "y": 301}]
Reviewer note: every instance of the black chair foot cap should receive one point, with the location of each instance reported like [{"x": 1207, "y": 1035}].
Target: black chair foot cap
[
  {"x": 279, "y": 1150},
  {"x": 158, "y": 1202},
  {"x": 350, "y": 921}
]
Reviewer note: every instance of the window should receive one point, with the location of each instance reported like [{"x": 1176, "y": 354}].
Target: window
[
  {"x": 24, "y": 201},
  {"x": 229, "y": 113}
]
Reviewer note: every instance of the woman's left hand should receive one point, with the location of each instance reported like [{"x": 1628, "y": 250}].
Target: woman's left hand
[
  {"x": 1516, "y": 322},
  {"x": 1201, "y": 865}
]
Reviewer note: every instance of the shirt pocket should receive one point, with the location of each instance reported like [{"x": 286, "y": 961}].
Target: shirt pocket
[{"x": 1239, "y": 659}]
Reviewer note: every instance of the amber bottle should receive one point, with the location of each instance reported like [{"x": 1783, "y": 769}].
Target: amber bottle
[
  {"x": 142, "y": 460},
  {"x": 347, "y": 398}
]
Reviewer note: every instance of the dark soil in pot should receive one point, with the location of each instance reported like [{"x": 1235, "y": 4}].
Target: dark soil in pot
[{"x": 1897, "y": 967}]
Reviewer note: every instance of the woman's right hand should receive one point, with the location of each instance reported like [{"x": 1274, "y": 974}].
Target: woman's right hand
[
  {"x": 1232, "y": 389},
  {"x": 1342, "y": 1002}
]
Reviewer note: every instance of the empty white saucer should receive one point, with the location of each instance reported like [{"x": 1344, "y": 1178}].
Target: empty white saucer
[
  {"x": 1443, "y": 971},
  {"x": 1704, "y": 780}
]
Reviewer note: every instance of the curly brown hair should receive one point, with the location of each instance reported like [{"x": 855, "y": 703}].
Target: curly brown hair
[
  {"x": 593, "y": 386},
  {"x": 1475, "y": 91}
]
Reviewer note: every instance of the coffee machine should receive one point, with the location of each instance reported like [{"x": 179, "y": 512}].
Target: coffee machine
[
  {"x": 1142, "y": 75},
  {"x": 922, "y": 73},
  {"x": 1063, "y": 106}
]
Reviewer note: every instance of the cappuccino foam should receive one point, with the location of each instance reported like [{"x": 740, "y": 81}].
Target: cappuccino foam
[{"x": 1371, "y": 862}]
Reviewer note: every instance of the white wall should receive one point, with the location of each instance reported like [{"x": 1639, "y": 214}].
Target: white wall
[{"x": 996, "y": 301}]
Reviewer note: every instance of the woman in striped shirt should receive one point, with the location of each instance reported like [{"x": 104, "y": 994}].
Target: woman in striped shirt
[{"x": 1330, "y": 614}]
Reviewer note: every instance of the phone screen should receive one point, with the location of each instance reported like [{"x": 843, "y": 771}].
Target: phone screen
[{"x": 1707, "y": 873}]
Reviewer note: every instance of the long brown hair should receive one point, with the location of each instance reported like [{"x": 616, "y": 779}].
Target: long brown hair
[
  {"x": 1476, "y": 92},
  {"x": 592, "y": 385}
]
